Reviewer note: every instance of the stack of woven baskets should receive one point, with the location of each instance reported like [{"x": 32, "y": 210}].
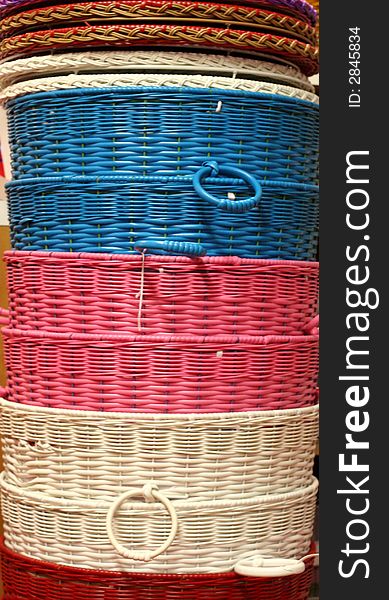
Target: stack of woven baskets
[{"x": 160, "y": 418}]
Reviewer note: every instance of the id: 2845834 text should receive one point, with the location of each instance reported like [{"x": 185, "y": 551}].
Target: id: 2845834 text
[{"x": 354, "y": 67}]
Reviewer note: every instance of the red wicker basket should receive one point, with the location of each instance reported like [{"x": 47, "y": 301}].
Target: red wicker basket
[
  {"x": 46, "y": 18},
  {"x": 303, "y": 55},
  {"x": 112, "y": 293},
  {"x": 165, "y": 373},
  {"x": 27, "y": 579}
]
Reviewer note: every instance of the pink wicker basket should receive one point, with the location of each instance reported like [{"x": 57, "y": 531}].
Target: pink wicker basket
[
  {"x": 97, "y": 293},
  {"x": 171, "y": 373}
]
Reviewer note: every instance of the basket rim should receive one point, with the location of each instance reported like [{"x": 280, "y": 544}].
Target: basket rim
[
  {"x": 300, "y": 7},
  {"x": 80, "y": 572},
  {"x": 114, "y": 179},
  {"x": 128, "y": 9},
  {"x": 301, "y": 53},
  {"x": 149, "y": 60},
  {"x": 107, "y": 81},
  {"x": 10, "y": 256},
  {"x": 87, "y": 415},
  {"x": 52, "y": 502},
  {"x": 87, "y": 90},
  {"x": 169, "y": 338}
]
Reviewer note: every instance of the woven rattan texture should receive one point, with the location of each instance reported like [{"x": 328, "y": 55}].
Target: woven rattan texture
[
  {"x": 161, "y": 373},
  {"x": 72, "y": 454},
  {"x": 114, "y": 214},
  {"x": 167, "y": 131},
  {"x": 176, "y": 11},
  {"x": 146, "y": 61},
  {"x": 67, "y": 292},
  {"x": 299, "y": 53},
  {"x": 171, "y": 80},
  {"x": 211, "y": 536},
  {"x": 28, "y": 579},
  {"x": 316, "y": 4},
  {"x": 299, "y": 8}
]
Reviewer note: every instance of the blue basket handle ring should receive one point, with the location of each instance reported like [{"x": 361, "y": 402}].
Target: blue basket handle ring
[
  {"x": 211, "y": 168},
  {"x": 172, "y": 246}
]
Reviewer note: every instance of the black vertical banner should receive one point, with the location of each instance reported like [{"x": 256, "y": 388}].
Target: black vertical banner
[{"x": 354, "y": 255}]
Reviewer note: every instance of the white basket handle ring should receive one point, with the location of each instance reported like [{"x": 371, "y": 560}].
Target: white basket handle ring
[
  {"x": 257, "y": 566},
  {"x": 151, "y": 494}
]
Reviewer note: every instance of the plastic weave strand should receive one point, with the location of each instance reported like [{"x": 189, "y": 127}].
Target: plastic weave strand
[
  {"x": 178, "y": 11},
  {"x": 29, "y": 579},
  {"x": 89, "y": 293},
  {"x": 73, "y": 454},
  {"x": 211, "y": 537},
  {"x": 300, "y": 8},
  {"x": 100, "y": 61},
  {"x": 166, "y": 131},
  {"x": 161, "y": 373},
  {"x": 299, "y": 53}
]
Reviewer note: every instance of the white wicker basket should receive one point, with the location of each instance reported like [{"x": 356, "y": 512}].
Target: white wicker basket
[
  {"x": 122, "y": 61},
  {"x": 104, "y": 80},
  {"x": 68, "y": 454},
  {"x": 160, "y": 537}
]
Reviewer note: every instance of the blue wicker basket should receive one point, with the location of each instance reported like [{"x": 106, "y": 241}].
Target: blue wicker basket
[
  {"x": 184, "y": 215},
  {"x": 163, "y": 131}
]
